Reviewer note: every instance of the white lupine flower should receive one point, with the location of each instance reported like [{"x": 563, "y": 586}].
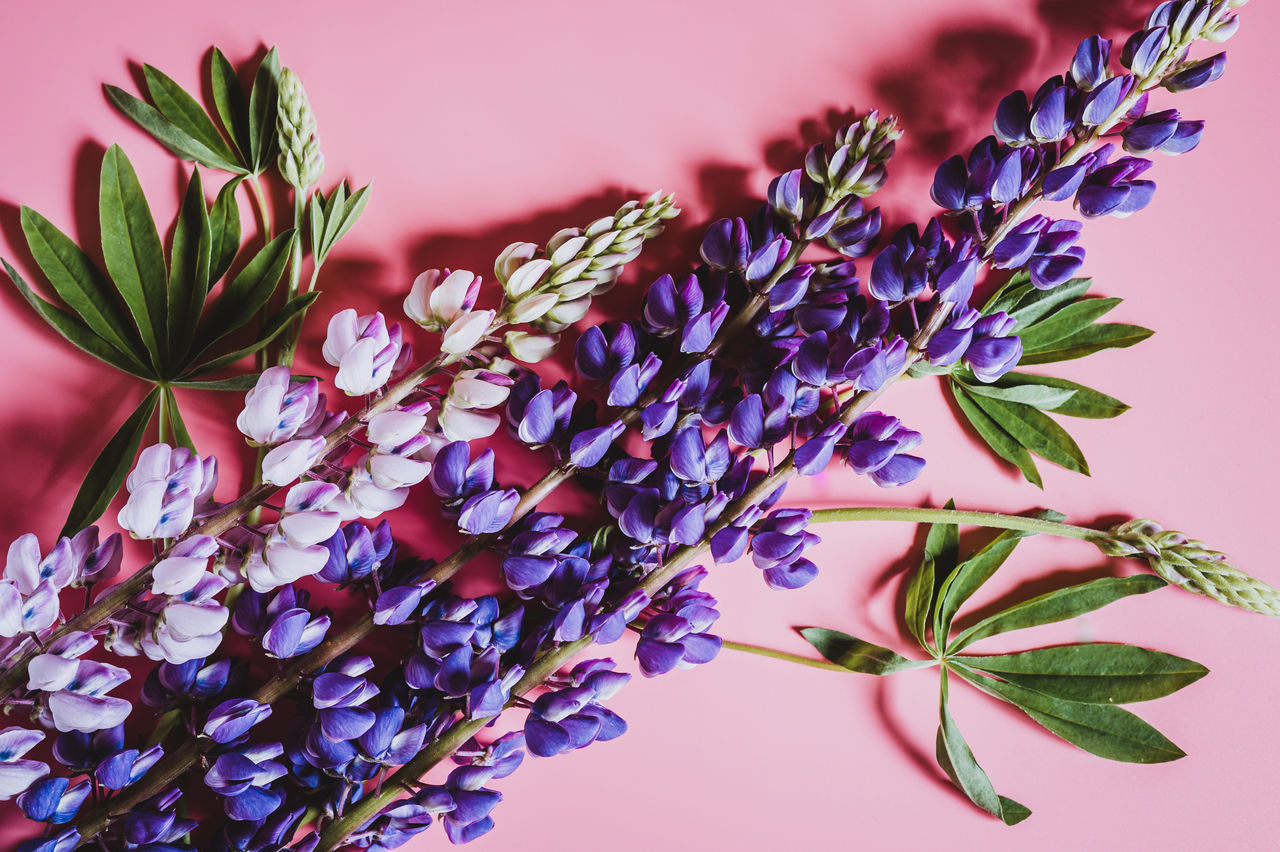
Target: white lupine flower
[
  {"x": 465, "y": 424},
  {"x": 277, "y": 407},
  {"x": 392, "y": 428},
  {"x": 512, "y": 258},
  {"x": 532, "y": 308},
  {"x": 363, "y": 349},
  {"x": 290, "y": 460},
  {"x": 465, "y": 332},
  {"x": 530, "y": 348}
]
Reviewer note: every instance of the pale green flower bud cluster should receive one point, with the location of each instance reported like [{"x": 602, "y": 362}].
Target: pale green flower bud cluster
[
  {"x": 552, "y": 289},
  {"x": 1190, "y": 564},
  {"x": 300, "y": 159},
  {"x": 856, "y": 166}
]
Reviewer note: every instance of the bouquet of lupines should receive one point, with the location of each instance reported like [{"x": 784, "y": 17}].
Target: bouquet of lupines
[{"x": 768, "y": 357}]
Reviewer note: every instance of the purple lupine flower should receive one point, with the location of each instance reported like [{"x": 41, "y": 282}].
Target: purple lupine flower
[
  {"x": 1089, "y": 65},
  {"x": 778, "y": 546},
  {"x": 726, "y": 245},
  {"x": 1197, "y": 74},
  {"x": 66, "y": 841},
  {"x": 675, "y": 636},
  {"x": 1045, "y": 246},
  {"x": 17, "y": 774},
  {"x": 278, "y": 408},
  {"x": 948, "y": 344},
  {"x": 1113, "y": 189},
  {"x": 232, "y": 719},
  {"x": 1163, "y": 131},
  {"x": 189, "y": 681},
  {"x": 813, "y": 455},
  {"x": 363, "y": 349},
  {"x": 165, "y": 487},
  {"x": 355, "y": 552},
  {"x": 598, "y": 357},
  {"x": 188, "y": 626},
  {"x": 126, "y": 767},
  {"x": 878, "y": 444},
  {"x": 294, "y": 633},
  {"x": 53, "y": 800},
  {"x": 243, "y": 776},
  {"x": 994, "y": 350},
  {"x": 586, "y": 449},
  {"x": 1144, "y": 49}
]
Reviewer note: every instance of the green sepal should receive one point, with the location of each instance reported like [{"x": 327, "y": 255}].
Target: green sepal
[
  {"x": 181, "y": 436},
  {"x": 80, "y": 284},
  {"x": 167, "y": 133},
  {"x": 236, "y": 383},
  {"x": 1083, "y": 401},
  {"x": 1101, "y": 729},
  {"x": 1058, "y": 605},
  {"x": 224, "y": 227},
  {"x": 133, "y": 252},
  {"x": 263, "y": 108},
  {"x": 110, "y": 468},
  {"x": 245, "y": 294},
  {"x": 186, "y": 113},
  {"x": 966, "y": 579},
  {"x": 189, "y": 266},
  {"x": 1095, "y": 338},
  {"x": 1093, "y": 672},
  {"x": 957, "y": 760},
  {"x": 857, "y": 655},
  {"x": 77, "y": 333},
  {"x": 1001, "y": 442},
  {"x": 1036, "y": 431},
  {"x": 270, "y": 331}
]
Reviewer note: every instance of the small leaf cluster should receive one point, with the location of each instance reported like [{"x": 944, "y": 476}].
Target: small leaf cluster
[
  {"x": 1012, "y": 413},
  {"x": 1071, "y": 690}
]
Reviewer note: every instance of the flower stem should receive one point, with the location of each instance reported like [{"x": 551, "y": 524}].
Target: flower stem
[
  {"x": 774, "y": 653},
  {"x": 914, "y": 515},
  {"x": 264, "y": 210}
]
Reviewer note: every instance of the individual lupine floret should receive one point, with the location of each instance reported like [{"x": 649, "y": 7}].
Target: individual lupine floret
[
  {"x": 1046, "y": 247},
  {"x": 233, "y": 719},
  {"x": 125, "y": 767},
  {"x": 279, "y": 408},
  {"x": 1163, "y": 131},
  {"x": 167, "y": 488},
  {"x": 82, "y": 704},
  {"x": 355, "y": 552},
  {"x": 778, "y": 545},
  {"x": 155, "y": 821},
  {"x": 572, "y": 717},
  {"x": 189, "y": 625},
  {"x": 445, "y": 301},
  {"x": 56, "y": 668},
  {"x": 54, "y": 800},
  {"x": 675, "y": 634},
  {"x": 170, "y": 683},
  {"x": 878, "y": 446},
  {"x": 16, "y": 773},
  {"x": 293, "y": 548},
  {"x": 992, "y": 175},
  {"x": 466, "y": 413},
  {"x": 243, "y": 777},
  {"x": 1114, "y": 189},
  {"x": 1089, "y": 65},
  {"x": 363, "y": 349},
  {"x": 537, "y": 416}
]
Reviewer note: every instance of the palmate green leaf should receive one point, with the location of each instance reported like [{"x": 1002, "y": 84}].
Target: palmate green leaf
[
  {"x": 167, "y": 133},
  {"x": 919, "y": 603},
  {"x": 1058, "y": 605},
  {"x": 969, "y": 576},
  {"x": 1000, "y": 441},
  {"x": 224, "y": 228},
  {"x": 80, "y": 284},
  {"x": 1026, "y": 304},
  {"x": 189, "y": 266},
  {"x": 133, "y": 252},
  {"x": 942, "y": 545},
  {"x": 185, "y": 113},
  {"x": 181, "y": 436},
  {"x": 1095, "y": 338},
  {"x": 957, "y": 760},
  {"x": 1036, "y": 431},
  {"x": 270, "y": 331},
  {"x": 232, "y": 105},
  {"x": 236, "y": 383},
  {"x": 110, "y": 468},
  {"x": 77, "y": 333},
  {"x": 331, "y": 218},
  {"x": 263, "y": 108},
  {"x": 857, "y": 655},
  {"x": 245, "y": 294},
  {"x": 1066, "y": 321},
  {"x": 1093, "y": 672},
  {"x": 1102, "y": 729},
  {"x": 1083, "y": 401},
  {"x": 1037, "y": 396}
]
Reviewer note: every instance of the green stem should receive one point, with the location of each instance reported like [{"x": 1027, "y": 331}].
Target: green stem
[
  {"x": 774, "y": 653},
  {"x": 289, "y": 344},
  {"x": 163, "y": 427},
  {"x": 914, "y": 515},
  {"x": 264, "y": 211}
]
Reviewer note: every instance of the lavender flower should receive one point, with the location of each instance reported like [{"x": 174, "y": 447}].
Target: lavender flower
[{"x": 363, "y": 349}]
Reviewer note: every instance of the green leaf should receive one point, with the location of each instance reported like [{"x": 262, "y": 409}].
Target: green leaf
[
  {"x": 919, "y": 601},
  {"x": 1027, "y": 305},
  {"x": 80, "y": 284},
  {"x": 857, "y": 655},
  {"x": 1094, "y": 672},
  {"x": 77, "y": 333},
  {"x": 232, "y": 106},
  {"x": 180, "y": 434},
  {"x": 957, "y": 760},
  {"x": 186, "y": 114},
  {"x": 1083, "y": 402},
  {"x": 1058, "y": 605},
  {"x": 110, "y": 468},
  {"x": 1066, "y": 321},
  {"x": 1000, "y": 441},
  {"x": 274, "y": 326},
  {"x": 920, "y": 369},
  {"x": 133, "y": 252},
  {"x": 237, "y": 383},
  {"x": 166, "y": 132},
  {"x": 188, "y": 267},
  {"x": 224, "y": 226},
  {"x": 245, "y": 294},
  {"x": 1102, "y": 729},
  {"x": 262, "y": 112},
  {"x": 337, "y": 214},
  {"x": 1008, "y": 294},
  {"x": 970, "y": 576},
  {"x": 1095, "y": 338},
  {"x": 1036, "y": 431},
  {"x": 1036, "y": 396}
]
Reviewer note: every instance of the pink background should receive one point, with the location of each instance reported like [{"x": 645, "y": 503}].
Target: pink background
[{"x": 485, "y": 123}]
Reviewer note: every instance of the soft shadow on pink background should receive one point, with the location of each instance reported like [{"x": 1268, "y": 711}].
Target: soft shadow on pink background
[{"x": 486, "y": 123}]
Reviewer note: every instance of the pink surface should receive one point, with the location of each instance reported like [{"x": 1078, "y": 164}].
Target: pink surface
[{"x": 486, "y": 123}]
